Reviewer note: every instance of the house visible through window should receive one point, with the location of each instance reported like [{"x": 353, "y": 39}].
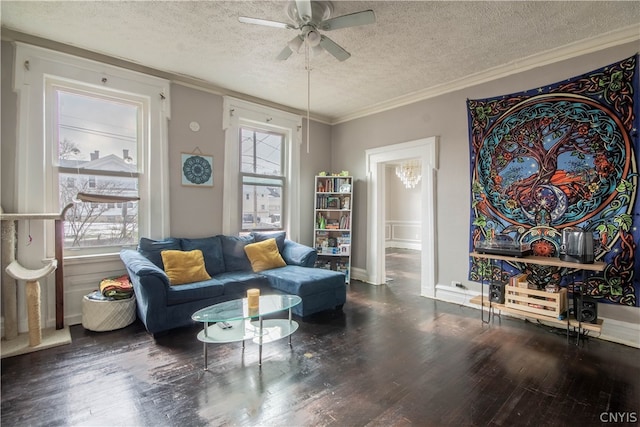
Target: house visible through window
[
  {"x": 97, "y": 139},
  {"x": 262, "y": 179}
]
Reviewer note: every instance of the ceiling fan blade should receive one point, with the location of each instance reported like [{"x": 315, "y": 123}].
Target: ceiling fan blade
[
  {"x": 304, "y": 10},
  {"x": 334, "y": 49},
  {"x": 353, "y": 19},
  {"x": 266, "y": 23}
]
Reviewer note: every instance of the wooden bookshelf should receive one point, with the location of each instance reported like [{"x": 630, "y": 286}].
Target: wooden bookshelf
[{"x": 332, "y": 218}]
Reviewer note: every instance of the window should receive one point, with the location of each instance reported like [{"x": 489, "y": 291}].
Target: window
[
  {"x": 98, "y": 139},
  {"x": 94, "y": 128},
  {"x": 262, "y": 176},
  {"x": 261, "y": 186}
]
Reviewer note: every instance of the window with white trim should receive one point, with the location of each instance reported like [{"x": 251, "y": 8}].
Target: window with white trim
[
  {"x": 97, "y": 137},
  {"x": 96, "y": 129},
  {"x": 262, "y": 168},
  {"x": 263, "y": 180}
]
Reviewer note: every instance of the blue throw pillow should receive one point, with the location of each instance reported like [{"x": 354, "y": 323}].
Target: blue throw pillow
[
  {"x": 211, "y": 248},
  {"x": 235, "y": 258},
  {"x": 152, "y": 248},
  {"x": 278, "y": 235}
]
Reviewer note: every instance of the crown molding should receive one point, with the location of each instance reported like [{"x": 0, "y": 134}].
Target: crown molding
[
  {"x": 572, "y": 50},
  {"x": 10, "y": 35}
]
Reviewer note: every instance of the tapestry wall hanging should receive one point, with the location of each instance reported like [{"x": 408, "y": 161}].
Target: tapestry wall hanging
[{"x": 563, "y": 155}]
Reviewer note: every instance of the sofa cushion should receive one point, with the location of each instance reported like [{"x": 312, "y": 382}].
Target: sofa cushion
[
  {"x": 194, "y": 292},
  {"x": 304, "y": 281},
  {"x": 139, "y": 265},
  {"x": 235, "y": 259},
  {"x": 184, "y": 266},
  {"x": 297, "y": 254},
  {"x": 280, "y": 237},
  {"x": 152, "y": 248},
  {"x": 211, "y": 248},
  {"x": 264, "y": 255},
  {"x": 236, "y": 283}
]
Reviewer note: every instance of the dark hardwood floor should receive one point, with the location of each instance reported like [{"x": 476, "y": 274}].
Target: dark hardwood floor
[
  {"x": 403, "y": 270},
  {"x": 391, "y": 358}
]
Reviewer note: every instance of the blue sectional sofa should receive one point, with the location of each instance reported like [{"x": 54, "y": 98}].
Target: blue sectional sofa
[{"x": 162, "y": 306}]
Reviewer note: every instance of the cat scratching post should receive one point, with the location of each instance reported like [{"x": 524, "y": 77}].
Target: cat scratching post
[
  {"x": 9, "y": 287},
  {"x": 32, "y": 278},
  {"x": 8, "y": 255},
  {"x": 12, "y": 272}
]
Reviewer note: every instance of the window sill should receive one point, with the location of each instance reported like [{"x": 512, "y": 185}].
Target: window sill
[{"x": 85, "y": 259}]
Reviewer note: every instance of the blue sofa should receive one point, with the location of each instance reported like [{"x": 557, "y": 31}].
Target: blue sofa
[{"x": 162, "y": 306}]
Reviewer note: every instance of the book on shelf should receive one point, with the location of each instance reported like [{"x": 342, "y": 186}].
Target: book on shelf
[
  {"x": 333, "y": 203},
  {"x": 334, "y": 185},
  {"x": 345, "y": 222},
  {"x": 345, "y": 239}
]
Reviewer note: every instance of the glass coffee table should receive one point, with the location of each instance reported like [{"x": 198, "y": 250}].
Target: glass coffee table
[{"x": 232, "y": 321}]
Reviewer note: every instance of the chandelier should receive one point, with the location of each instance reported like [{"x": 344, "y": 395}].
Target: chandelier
[{"x": 410, "y": 172}]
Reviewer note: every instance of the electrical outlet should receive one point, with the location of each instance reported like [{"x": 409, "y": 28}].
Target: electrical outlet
[{"x": 455, "y": 283}]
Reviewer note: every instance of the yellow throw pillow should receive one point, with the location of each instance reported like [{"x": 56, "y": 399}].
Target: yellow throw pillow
[
  {"x": 264, "y": 255},
  {"x": 184, "y": 266}
]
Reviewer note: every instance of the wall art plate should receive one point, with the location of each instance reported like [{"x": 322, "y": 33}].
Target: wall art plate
[{"x": 197, "y": 170}]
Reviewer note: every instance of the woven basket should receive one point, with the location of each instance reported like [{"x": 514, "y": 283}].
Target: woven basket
[{"x": 103, "y": 316}]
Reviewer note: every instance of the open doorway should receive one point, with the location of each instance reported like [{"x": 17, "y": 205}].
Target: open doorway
[
  {"x": 376, "y": 159},
  {"x": 403, "y": 221}
]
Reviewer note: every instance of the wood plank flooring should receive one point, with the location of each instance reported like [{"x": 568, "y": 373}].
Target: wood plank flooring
[{"x": 391, "y": 358}]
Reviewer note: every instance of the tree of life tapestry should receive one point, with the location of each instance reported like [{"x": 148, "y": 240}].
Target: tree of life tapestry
[{"x": 563, "y": 155}]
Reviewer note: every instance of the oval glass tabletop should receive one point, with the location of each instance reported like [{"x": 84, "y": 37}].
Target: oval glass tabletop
[{"x": 238, "y": 309}]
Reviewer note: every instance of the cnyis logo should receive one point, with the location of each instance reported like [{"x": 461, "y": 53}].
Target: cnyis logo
[{"x": 619, "y": 417}]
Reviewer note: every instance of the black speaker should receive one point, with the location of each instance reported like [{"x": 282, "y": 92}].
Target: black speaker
[
  {"x": 585, "y": 308},
  {"x": 496, "y": 292}
]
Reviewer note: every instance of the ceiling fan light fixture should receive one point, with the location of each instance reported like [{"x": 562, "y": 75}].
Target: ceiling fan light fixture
[
  {"x": 295, "y": 44},
  {"x": 317, "y": 51},
  {"x": 313, "y": 37},
  {"x": 311, "y": 17}
]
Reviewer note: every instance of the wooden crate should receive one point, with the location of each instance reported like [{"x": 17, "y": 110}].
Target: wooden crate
[{"x": 539, "y": 302}]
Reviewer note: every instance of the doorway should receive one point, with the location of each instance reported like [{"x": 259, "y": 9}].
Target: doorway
[
  {"x": 403, "y": 188},
  {"x": 376, "y": 159}
]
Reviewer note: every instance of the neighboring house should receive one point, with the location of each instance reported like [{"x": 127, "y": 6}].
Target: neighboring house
[{"x": 95, "y": 176}]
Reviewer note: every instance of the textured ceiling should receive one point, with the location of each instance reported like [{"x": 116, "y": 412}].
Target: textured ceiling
[{"x": 412, "y": 48}]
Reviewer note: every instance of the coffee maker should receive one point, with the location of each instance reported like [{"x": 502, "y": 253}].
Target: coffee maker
[{"x": 577, "y": 245}]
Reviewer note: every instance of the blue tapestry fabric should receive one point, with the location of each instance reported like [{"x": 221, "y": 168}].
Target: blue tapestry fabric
[{"x": 561, "y": 155}]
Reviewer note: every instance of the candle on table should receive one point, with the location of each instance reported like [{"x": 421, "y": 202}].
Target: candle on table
[{"x": 253, "y": 299}]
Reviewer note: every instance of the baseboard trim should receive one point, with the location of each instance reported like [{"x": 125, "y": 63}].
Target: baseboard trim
[
  {"x": 403, "y": 245},
  {"x": 621, "y": 332},
  {"x": 361, "y": 275},
  {"x": 456, "y": 295}
]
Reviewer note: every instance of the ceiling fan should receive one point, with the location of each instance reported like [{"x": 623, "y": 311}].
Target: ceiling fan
[{"x": 311, "y": 17}]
